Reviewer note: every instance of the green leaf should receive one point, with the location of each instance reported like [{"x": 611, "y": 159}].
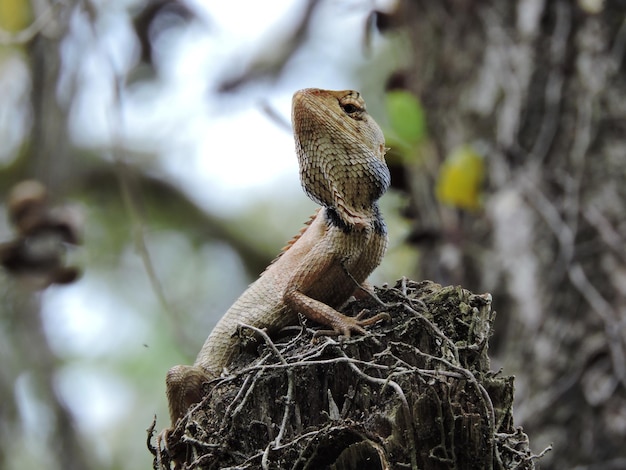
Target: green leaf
[{"x": 406, "y": 117}]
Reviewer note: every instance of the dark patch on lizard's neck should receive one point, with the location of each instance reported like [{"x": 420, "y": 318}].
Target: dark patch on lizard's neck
[
  {"x": 334, "y": 219},
  {"x": 379, "y": 224}
]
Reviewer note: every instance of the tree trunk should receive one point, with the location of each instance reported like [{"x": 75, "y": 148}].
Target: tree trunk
[
  {"x": 538, "y": 87},
  {"x": 416, "y": 393}
]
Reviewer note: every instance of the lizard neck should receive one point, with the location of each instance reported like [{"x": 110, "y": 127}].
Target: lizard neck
[
  {"x": 350, "y": 189},
  {"x": 372, "y": 222}
]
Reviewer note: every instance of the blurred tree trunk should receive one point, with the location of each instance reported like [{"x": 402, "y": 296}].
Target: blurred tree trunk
[
  {"x": 30, "y": 366},
  {"x": 538, "y": 87}
]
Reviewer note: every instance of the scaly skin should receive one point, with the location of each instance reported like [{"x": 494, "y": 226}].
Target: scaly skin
[{"x": 341, "y": 152}]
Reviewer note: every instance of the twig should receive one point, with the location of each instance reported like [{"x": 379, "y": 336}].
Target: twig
[
  {"x": 362, "y": 288},
  {"x": 405, "y": 406},
  {"x": 434, "y": 329},
  {"x": 482, "y": 394},
  {"x": 288, "y": 405},
  {"x": 607, "y": 232},
  {"x": 554, "y": 86},
  {"x": 335, "y": 360},
  {"x": 290, "y": 382},
  {"x": 609, "y": 316},
  {"x": 248, "y": 391},
  {"x": 132, "y": 200},
  {"x": 265, "y": 465},
  {"x": 267, "y": 340}
]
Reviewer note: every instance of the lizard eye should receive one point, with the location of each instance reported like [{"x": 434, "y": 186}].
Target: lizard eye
[{"x": 350, "y": 108}]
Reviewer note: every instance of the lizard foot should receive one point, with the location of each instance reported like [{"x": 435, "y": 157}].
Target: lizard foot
[
  {"x": 161, "y": 444},
  {"x": 344, "y": 325},
  {"x": 167, "y": 454}
]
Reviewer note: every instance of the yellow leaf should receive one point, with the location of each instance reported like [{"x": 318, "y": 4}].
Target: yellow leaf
[
  {"x": 15, "y": 15},
  {"x": 460, "y": 179}
]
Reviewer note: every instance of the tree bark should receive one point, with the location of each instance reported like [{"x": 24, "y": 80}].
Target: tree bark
[{"x": 539, "y": 89}]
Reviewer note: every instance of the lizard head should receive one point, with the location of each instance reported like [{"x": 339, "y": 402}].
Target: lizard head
[{"x": 341, "y": 152}]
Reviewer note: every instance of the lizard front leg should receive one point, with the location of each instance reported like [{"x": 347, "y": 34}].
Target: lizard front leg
[{"x": 310, "y": 274}]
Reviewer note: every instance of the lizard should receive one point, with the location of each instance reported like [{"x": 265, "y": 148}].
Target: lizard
[{"x": 341, "y": 155}]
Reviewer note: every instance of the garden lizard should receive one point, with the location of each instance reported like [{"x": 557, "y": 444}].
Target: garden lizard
[{"x": 341, "y": 154}]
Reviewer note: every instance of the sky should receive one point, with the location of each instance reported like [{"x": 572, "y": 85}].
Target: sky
[{"x": 223, "y": 148}]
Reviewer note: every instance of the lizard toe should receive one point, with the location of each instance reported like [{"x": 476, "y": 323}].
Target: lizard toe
[{"x": 372, "y": 320}]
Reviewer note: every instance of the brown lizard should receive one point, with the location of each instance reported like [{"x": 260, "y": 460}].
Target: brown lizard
[{"x": 341, "y": 152}]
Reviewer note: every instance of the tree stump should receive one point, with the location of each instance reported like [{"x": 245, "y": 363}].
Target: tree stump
[{"x": 415, "y": 393}]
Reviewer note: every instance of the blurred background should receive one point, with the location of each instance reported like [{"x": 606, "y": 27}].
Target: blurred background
[{"x": 147, "y": 176}]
